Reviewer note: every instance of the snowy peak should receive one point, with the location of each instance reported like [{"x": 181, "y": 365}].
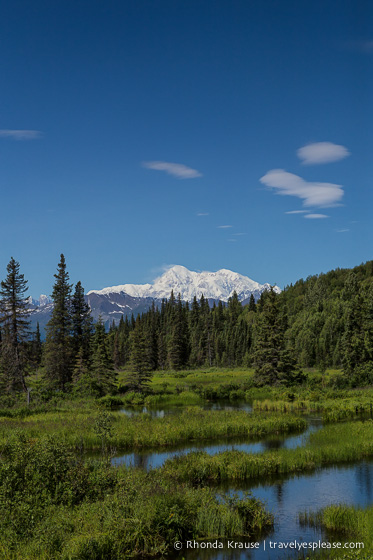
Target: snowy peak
[
  {"x": 43, "y": 300},
  {"x": 218, "y": 285}
]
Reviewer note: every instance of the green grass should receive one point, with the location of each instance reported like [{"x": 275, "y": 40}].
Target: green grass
[
  {"x": 332, "y": 410},
  {"x": 55, "y": 506},
  {"x": 332, "y": 444},
  {"x": 86, "y": 429},
  {"x": 344, "y": 524},
  {"x": 186, "y": 380}
]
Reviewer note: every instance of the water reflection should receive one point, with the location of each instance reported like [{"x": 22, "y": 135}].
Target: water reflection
[
  {"x": 286, "y": 497},
  {"x": 153, "y": 459},
  {"x": 363, "y": 475},
  {"x": 162, "y": 411}
]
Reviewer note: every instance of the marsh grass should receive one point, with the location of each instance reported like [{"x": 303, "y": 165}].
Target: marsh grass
[
  {"x": 332, "y": 444},
  {"x": 55, "y": 506},
  {"x": 332, "y": 410},
  {"x": 344, "y": 523},
  {"x": 77, "y": 429}
]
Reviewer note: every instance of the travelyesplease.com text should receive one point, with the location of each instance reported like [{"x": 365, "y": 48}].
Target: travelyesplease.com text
[{"x": 267, "y": 545}]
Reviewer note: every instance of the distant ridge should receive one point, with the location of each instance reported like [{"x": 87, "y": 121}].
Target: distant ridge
[
  {"x": 218, "y": 285},
  {"x": 114, "y": 302}
]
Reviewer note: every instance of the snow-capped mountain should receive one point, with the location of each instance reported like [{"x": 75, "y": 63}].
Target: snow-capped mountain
[
  {"x": 40, "y": 311},
  {"x": 43, "y": 300},
  {"x": 112, "y": 303},
  {"x": 218, "y": 285}
]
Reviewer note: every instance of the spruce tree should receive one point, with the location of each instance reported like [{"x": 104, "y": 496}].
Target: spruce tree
[
  {"x": 14, "y": 320},
  {"x": 353, "y": 336},
  {"x": 178, "y": 341},
  {"x": 103, "y": 374},
  {"x": 82, "y": 323},
  {"x": 273, "y": 362},
  {"x": 36, "y": 348},
  {"x": 252, "y": 304},
  {"x": 59, "y": 356},
  {"x": 140, "y": 362}
]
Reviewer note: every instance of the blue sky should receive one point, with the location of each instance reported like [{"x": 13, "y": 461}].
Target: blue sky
[{"x": 132, "y": 131}]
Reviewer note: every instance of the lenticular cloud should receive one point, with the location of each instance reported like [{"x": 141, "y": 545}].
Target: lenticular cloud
[
  {"x": 312, "y": 194},
  {"x": 176, "y": 169},
  {"x": 322, "y": 152}
]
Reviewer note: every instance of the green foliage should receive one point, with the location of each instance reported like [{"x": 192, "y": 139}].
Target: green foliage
[
  {"x": 348, "y": 522},
  {"x": 92, "y": 429},
  {"x": 332, "y": 444},
  {"x": 141, "y": 359},
  {"x": 53, "y": 505},
  {"x": 58, "y": 348},
  {"x": 15, "y": 329},
  {"x": 273, "y": 362},
  {"x": 82, "y": 324}
]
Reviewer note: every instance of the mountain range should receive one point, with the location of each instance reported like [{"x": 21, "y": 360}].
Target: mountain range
[{"x": 113, "y": 302}]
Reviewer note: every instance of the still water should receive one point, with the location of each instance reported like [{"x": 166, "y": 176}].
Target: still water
[
  {"x": 285, "y": 497},
  {"x": 153, "y": 459},
  {"x": 161, "y": 412}
]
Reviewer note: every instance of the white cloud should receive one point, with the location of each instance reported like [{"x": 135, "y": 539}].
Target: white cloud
[
  {"x": 233, "y": 240},
  {"x": 224, "y": 227},
  {"x": 341, "y": 230},
  {"x": 322, "y": 152},
  {"x": 21, "y": 134},
  {"x": 316, "y": 216},
  {"x": 176, "y": 169},
  {"x": 312, "y": 194},
  {"x": 239, "y": 233},
  {"x": 297, "y": 212},
  {"x": 202, "y": 214}
]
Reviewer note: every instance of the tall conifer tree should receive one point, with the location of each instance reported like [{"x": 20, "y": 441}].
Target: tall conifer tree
[
  {"x": 272, "y": 360},
  {"x": 58, "y": 348},
  {"x": 82, "y": 323},
  {"x": 14, "y": 320}
]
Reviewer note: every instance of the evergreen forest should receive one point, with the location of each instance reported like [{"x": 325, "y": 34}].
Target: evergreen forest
[{"x": 325, "y": 321}]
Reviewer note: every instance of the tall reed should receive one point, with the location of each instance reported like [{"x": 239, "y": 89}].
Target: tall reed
[{"x": 193, "y": 424}]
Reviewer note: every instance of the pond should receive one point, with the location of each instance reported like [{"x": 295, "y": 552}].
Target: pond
[
  {"x": 286, "y": 497},
  {"x": 153, "y": 459}
]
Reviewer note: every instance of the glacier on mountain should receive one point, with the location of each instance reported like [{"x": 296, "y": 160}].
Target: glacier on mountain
[{"x": 218, "y": 285}]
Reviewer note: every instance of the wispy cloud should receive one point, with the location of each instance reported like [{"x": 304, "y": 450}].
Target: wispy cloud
[
  {"x": 239, "y": 233},
  {"x": 21, "y": 134},
  {"x": 341, "y": 230},
  {"x": 316, "y": 216},
  {"x": 313, "y": 194},
  {"x": 297, "y": 212},
  {"x": 322, "y": 152},
  {"x": 233, "y": 240},
  {"x": 224, "y": 227},
  {"x": 176, "y": 169},
  {"x": 203, "y": 214}
]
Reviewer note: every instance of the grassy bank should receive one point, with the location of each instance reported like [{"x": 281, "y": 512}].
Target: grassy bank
[
  {"x": 333, "y": 444},
  {"x": 90, "y": 429},
  {"x": 345, "y": 524},
  {"x": 332, "y": 410},
  {"x": 55, "y": 506}
]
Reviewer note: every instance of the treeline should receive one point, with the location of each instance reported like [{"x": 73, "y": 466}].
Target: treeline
[
  {"x": 330, "y": 321},
  {"x": 325, "y": 321},
  {"x": 322, "y": 322}
]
